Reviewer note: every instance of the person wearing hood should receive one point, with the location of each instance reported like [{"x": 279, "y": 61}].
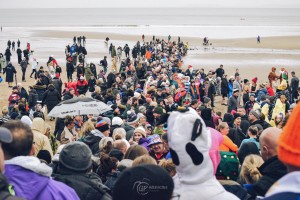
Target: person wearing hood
[
  {"x": 195, "y": 151},
  {"x": 233, "y": 101},
  {"x": 88, "y": 72},
  {"x": 51, "y": 98},
  {"x": 69, "y": 95},
  {"x": 2, "y": 62},
  {"x": 7, "y": 55},
  {"x": 31, "y": 178},
  {"x": 41, "y": 141},
  {"x": 74, "y": 171},
  {"x": 10, "y": 71}
]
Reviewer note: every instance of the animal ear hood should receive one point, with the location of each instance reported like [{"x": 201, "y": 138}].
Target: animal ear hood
[{"x": 190, "y": 143}]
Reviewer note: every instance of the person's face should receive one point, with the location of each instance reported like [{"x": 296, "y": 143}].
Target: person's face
[
  {"x": 241, "y": 111},
  {"x": 143, "y": 120},
  {"x": 252, "y": 98},
  {"x": 72, "y": 92},
  {"x": 71, "y": 125},
  {"x": 237, "y": 121},
  {"x": 1, "y": 160},
  {"x": 137, "y": 136},
  {"x": 278, "y": 118},
  {"x": 157, "y": 148},
  {"x": 129, "y": 101},
  {"x": 282, "y": 99},
  {"x": 118, "y": 97},
  {"x": 170, "y": 100},
  {"x": 225, "y": 130},
  {"x": 166, "y": 145},
  {"x": 236, "y": 94},
  {"x": 159, "y": 92},
  {"x": 106, "y": 133},
  {"x": 156, "y": 115},
  {"x": 117, "y": 110},
  {"x": 251, "y": 117}
]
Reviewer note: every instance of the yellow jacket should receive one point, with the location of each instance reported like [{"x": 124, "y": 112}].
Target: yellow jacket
[{"x": 278, "y": 108}]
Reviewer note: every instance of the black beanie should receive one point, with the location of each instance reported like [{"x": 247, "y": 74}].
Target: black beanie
[{"x": 144, "y": 182}]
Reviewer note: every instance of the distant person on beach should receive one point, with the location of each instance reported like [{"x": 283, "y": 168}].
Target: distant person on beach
[
  {"x": 19, "y": 52},
  {"x": 143, "y": 37},
  {"x": 19, "y": 43},
  {"x": 13, "y": 46},
  {"x": 258, "y": 39},
  {"x": 1, "y": 28},
  {"x": 83, "y": 40},
  {"x": 103, "y": 63},
  {"x": 10, "y": 71},
  {"x": 169, "y": 38},
  {"x": 74, "y": 39}
]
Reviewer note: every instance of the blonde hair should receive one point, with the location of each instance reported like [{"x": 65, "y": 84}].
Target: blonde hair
[
  {"x": 222, "y": 125},
  {"x": 168, "y": 165},
  {"x": 249, "y": 170},
  {"x": 97, "y": 89},
  {"x": 119, "y": 133},
  {"x": 4, "y": 110},
  {"x": 106, "y": 142},
  {"x": 87, "y": 127},
  {"x": 144, "y": 159}
]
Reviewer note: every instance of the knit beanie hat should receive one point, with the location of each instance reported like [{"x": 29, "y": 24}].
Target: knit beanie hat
[
  {"x": 131, "y": 117},
  {"x": 142, "y": 109},
  {"x": 117, "y": 121},
  {"x": 76, "y": 156},
  {"x": 45, "y": 156},
  {"x": 102, "y": 125},
  {"x": 256, "y": 113},
  {"x": 235, "y": 116},
  {"x": 140, "y": 130},
  {"x": 143, "y": 182},
  {"x": 158, "y": 110},
  {"x": 254, "y": 80},
  {"x": 289, "y": 140}
]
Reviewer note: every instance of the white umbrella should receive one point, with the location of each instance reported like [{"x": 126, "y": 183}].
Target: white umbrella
[{"x": 79, "y": 106}]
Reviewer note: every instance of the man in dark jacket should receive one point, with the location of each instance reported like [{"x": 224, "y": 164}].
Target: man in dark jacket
[
  {"x": 22, "y": 91},
  {"x": 69, "y": 94},
  {"x": 220, "y": 71},
  {"x": 7, "y": 55},
  {"x": 272, "y": 169},
  {"x": 51, "y": 98},
  {"x": 233, "y": 101},
  {"x": 93, "y": 69},
  {"x": 103, "y": 63},
  {"x": 74, "y": 170},
  {"x": 294, "y": 86},
  {"x": 56, "y": 81},
  {"x": 82, "y": 86},
  {"x": 23, "y": 65},
  {"x": 10, "y": 71},
  {"x": 255, "y": 118},
  {"x": 245, "y": 124},
  {"x": 224, "y": 89},
  {"x": 32, "y": 98},
  {"x": 19, "y": 52}
]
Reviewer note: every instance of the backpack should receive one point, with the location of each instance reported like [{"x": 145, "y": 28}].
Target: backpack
[{"x": 228, "y": 168}]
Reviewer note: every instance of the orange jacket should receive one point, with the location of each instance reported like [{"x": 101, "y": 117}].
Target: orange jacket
[
  {"x": 228, "y": 145},
  {"x": 148, "y": 55}
]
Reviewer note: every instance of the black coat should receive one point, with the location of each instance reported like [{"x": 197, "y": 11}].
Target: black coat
[
  {"x": 224, "y": 86},
  {"x": 51, "y": 98},
  {"x": 57, "y": 84},
  {"x": 236, "y": 135},
  {"x": 263, "y": 123},
  {"x": 59, "y": 127},
  {"x": 32, "y": 98},
  {"x": 24, "y": 94},
  {"x": 68, "y": 96},
  {"x": 4, "y": 194},
  {"x": 7, "y": 54},
  {"x": 111, "y": 78},
  {"x": 10, "y": 71},
  {"x": 40, "y": 90},
  {"x": 272, "y": 170},
  {"x": 87, "y": 186}
]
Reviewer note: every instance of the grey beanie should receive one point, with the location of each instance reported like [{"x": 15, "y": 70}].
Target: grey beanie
[
  {"x": 142, "y": 109},
  {"x": 76, "y": 156},
  {"x": 256, "y": 113}
]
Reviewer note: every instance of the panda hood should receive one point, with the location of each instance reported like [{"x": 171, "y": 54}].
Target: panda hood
[{"x": 191, "y": 147}]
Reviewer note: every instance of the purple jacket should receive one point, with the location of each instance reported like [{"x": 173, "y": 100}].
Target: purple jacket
[{"x": 32, "y": 180}]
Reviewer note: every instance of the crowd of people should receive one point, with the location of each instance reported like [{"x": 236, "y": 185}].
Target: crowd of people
[{"x": 162, "y": 139}]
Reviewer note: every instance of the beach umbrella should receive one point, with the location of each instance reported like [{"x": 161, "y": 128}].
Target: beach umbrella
[{"x": 79, "y": 106}]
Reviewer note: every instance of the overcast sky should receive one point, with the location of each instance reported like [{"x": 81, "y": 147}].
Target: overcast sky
[{"x": 152, "y": 3}]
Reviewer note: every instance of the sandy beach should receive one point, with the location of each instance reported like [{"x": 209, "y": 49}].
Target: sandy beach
[{"x": 253, "y": 60}]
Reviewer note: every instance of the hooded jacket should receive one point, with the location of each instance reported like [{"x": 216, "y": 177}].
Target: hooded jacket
[
  {"x": 41, "y": 141},
  {"x": 31, "y": 180},
  {"x": 93, "y": 139}
]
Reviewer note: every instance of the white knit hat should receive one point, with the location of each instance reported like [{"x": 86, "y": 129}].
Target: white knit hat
[{"x": 117, "y": 121}]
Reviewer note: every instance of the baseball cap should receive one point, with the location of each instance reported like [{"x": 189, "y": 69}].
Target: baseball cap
[{"x": 5, "y": 135}]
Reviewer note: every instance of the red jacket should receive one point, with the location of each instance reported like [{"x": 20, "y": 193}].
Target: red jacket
[{"x": 270, "y": 91}]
